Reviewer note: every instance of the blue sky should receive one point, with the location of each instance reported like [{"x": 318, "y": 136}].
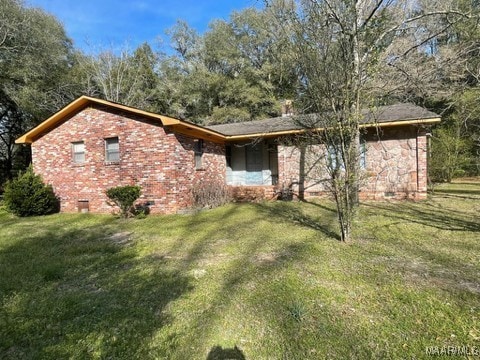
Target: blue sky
[{"x": 98, "y": 24}]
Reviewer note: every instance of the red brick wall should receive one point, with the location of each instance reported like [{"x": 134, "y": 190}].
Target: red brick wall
[
  {"x": 249, "y": 193},
  {"x": 159, "y": 161}
]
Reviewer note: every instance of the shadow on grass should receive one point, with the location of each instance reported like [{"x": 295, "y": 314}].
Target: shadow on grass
[
  {"x": 82, "y": 293},
  {"x": 422, "y": 262},
  {"x": 460, "y": 190},
  {"x": 320, "y": 205},
  {"x": 475, "y": 183},
  {"x": 428, "y": 215},
  {"x": 292, "y": 322},
  {"x": 87, "y": 293},
  {"x": 449, "y": 273},
  {"x": 219, "y": 353},
  {"x": 459, "y": 193},
  {"x": 246, "y": 278},
  {"x": 281, "y": 211}
]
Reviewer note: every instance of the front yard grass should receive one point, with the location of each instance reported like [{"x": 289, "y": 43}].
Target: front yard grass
[{"x": 252, "y": 281}]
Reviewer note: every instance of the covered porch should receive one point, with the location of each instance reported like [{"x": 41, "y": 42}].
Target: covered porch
[
  {"x": 252, "y": 170},
  {"x": 252, "y": 163}
]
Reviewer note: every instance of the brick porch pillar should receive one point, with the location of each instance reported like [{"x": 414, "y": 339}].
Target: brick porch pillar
[{"x": 422, "y": 156}]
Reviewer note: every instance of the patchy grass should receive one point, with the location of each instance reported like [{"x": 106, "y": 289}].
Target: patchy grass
[{"x": 256, "y": 281}]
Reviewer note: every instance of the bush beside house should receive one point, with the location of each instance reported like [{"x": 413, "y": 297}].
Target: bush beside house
[
  {"x": 124, "y": 197},
  {"x": 28, "y": 195}
]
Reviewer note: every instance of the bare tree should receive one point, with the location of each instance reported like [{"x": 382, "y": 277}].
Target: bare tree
[
  {"x": 342, "y": 48},
  {"x": 125, "y": 77}
]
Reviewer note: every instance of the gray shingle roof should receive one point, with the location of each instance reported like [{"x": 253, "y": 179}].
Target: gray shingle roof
[{"x": 382, "y": 114}]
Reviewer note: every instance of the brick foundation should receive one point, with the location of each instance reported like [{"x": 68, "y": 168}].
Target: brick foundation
[{"x": 253, "y": 193}]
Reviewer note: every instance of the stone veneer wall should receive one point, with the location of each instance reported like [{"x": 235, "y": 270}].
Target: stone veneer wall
[
  {"x": 159, "y": 161},
  {"x": 396, "y": 166},
  {"x": 314, "y": 176}
]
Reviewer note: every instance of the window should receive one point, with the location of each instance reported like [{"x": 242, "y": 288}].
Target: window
[
  {"x": 254, "y": 164},
  {"x": 78, "y": 152},
  {"x": 228, "y": 155},
  {"x": 112, "y": 150},
  {"x": 198, "y": 149},
  {"x": 335, "y": 161},
  {"x": 363, "y": 154}
]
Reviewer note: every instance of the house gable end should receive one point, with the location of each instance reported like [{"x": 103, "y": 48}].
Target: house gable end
[
  {"x": 146, "y": 154},
  {"x": 83, "y": 102}
]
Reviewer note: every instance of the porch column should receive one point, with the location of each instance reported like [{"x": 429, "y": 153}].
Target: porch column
[
  {"x": 422, "y": 171},
  {"x": 281, "y": 165}
]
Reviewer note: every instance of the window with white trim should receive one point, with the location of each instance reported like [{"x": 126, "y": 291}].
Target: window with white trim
[
  {"x": 78, "y": 152},
  {"x": 112, "y": 150}
]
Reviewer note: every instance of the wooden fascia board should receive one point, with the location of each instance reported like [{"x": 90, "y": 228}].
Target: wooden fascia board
[
  {"x": 264, "y": 135},
  {"x": 196, "y": 131},
  {"x": 79, "y": 104},
  {"x": 166, "y": 120},
  {"x": 400, "y": 123},
  {"x": 30, "y": 136}
]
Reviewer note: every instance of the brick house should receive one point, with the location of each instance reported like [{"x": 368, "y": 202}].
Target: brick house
[{"x": 92, "y": 145}]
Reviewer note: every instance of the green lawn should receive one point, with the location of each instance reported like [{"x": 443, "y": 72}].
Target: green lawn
[{"x": 270, "y": 279}]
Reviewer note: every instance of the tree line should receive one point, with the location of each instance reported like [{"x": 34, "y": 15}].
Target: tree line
[{"x": 234, "y": 72}]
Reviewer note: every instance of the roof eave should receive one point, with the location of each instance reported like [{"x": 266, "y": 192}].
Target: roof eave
[
  {"x": 429, "y": 121},
  {"x": 83, "y": 101},
  {"x": 192, "y": 130},
  {"x": 183, "y": 127},
  {"x": 29, "y": 137}
]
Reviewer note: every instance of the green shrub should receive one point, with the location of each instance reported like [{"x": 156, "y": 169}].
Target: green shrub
[
  {"x": 124, "y": 197},
  {"x": 27, "y": 195}
]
